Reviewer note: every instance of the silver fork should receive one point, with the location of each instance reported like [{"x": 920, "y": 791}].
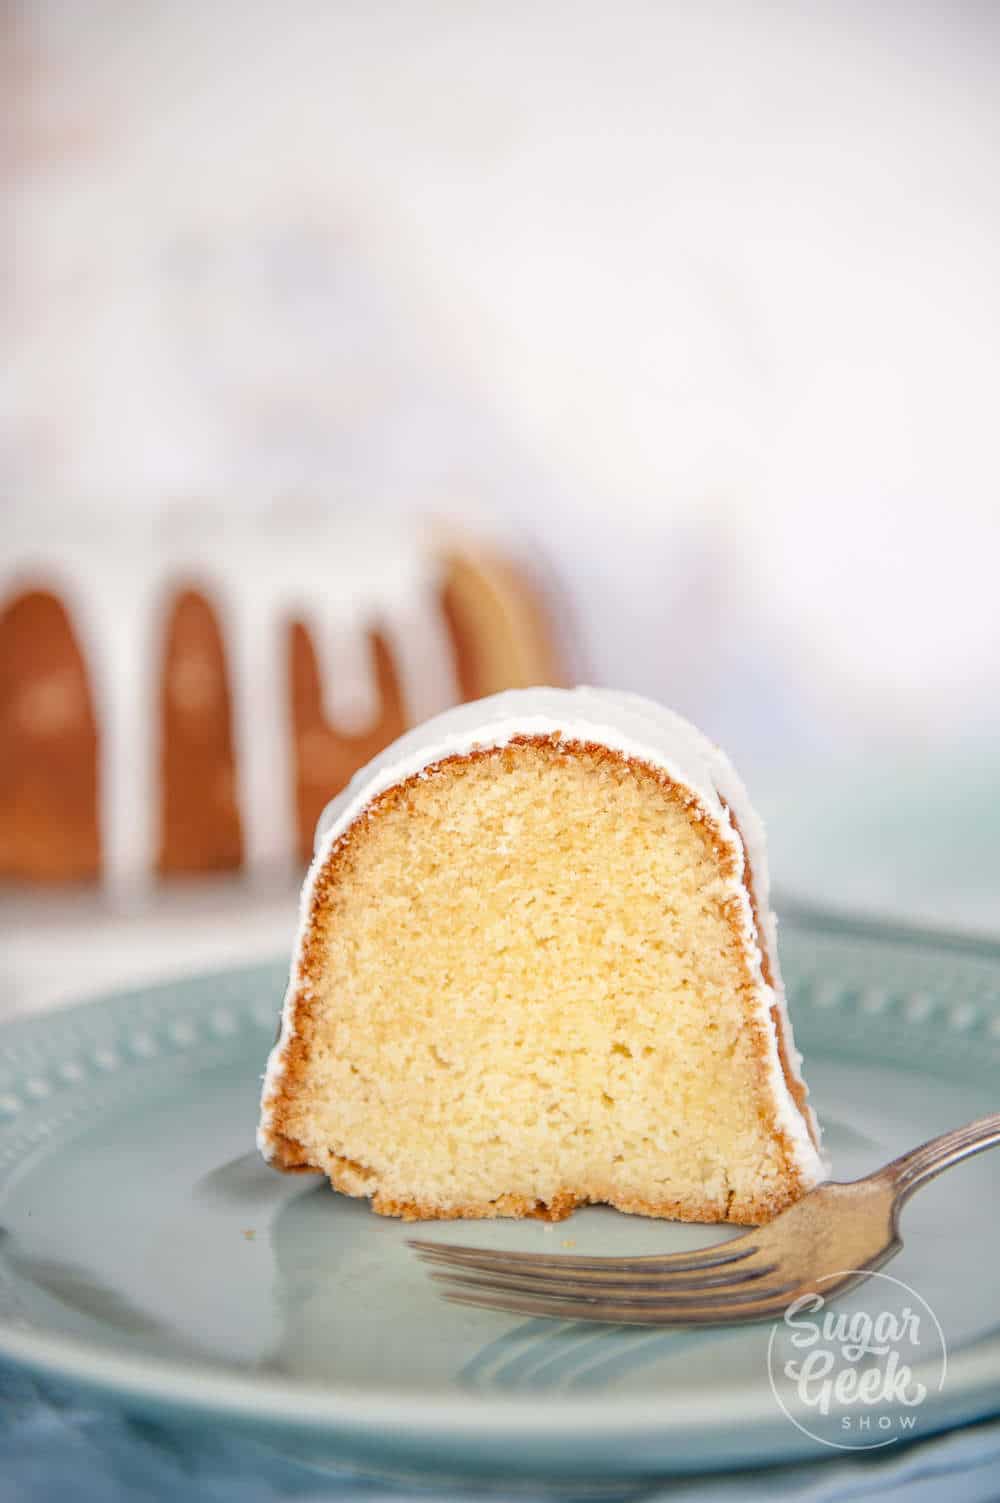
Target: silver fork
[{"x": 827, "y": 1242}]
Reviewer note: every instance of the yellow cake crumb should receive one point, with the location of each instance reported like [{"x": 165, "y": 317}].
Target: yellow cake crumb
[{"x": 527, "y": 990}]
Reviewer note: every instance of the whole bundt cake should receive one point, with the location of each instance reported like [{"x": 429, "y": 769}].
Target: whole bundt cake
[{"x": 188, "y": 705}]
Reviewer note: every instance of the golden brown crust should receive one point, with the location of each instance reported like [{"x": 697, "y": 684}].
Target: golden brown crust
[
  {"x": 795, "y": 1086},
  {"x": 518, "y": 1208},
  {"x": 355, "y": 1179},
  {"x": 48, "y": 746},
  {"x": 343, "y": 1175},
  {"x": 199, "y": 816},
  {"x": 500, "y": 632},
  {"x": 327, "y": 758}
]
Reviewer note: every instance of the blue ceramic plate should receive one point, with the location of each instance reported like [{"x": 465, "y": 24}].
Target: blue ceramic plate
[{"x": 147, "y": 1253}]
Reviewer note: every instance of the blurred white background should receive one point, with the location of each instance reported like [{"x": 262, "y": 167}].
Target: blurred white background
[{"x": 701, "y": 299}]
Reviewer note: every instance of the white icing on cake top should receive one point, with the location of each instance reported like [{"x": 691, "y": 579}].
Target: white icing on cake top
[
  {"x": 117, "y": 585},
  {"x": 638, "y": 729}
]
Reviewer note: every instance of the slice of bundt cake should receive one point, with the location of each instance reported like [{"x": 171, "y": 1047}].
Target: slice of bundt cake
[{"x": 537, "y": 969}]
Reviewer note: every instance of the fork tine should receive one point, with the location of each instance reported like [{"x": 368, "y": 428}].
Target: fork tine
[
  {"x": 490, "y": 1259},
  {"x": 558, "y": 1271},
  {"x": 643, "y": 1298},
  {"x": 663, "y": 1313},
  {"x": 590, "y": 1285}
]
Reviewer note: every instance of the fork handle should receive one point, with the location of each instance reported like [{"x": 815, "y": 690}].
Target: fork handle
[{"x": 915, "y": 1168}]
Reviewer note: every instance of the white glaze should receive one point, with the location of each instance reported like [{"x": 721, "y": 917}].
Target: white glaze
[
  {"x": 638, "y": 729},
  {"x": 117, "y": 583}
]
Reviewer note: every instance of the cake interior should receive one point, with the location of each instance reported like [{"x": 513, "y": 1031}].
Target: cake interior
[{"x": 525, "y": 990}]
